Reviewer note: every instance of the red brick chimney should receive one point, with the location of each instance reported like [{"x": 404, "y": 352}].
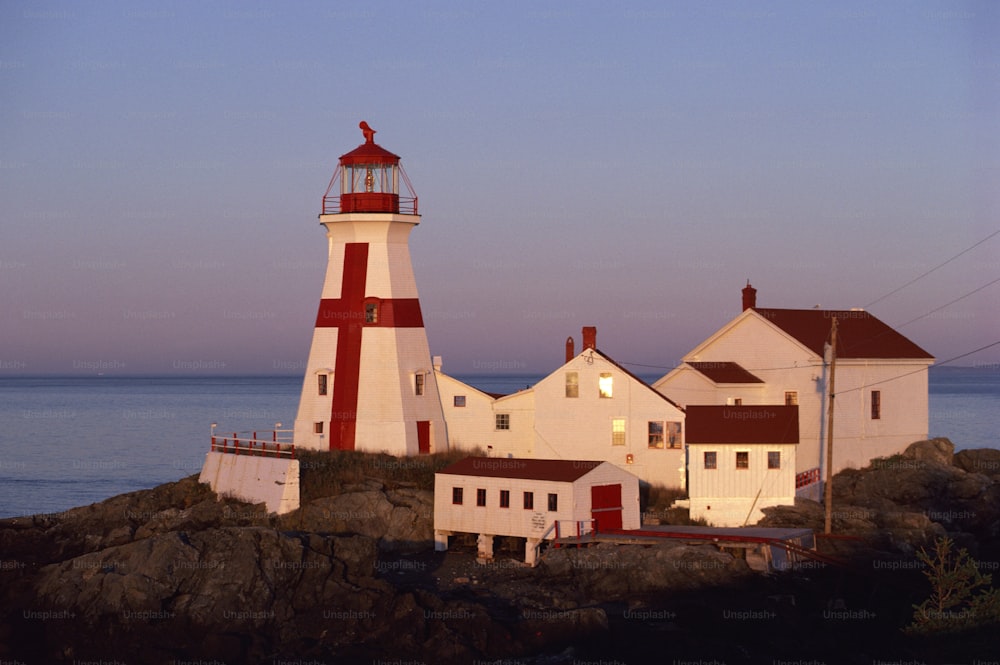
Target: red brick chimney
[
  {"x": 589, "y": 337},
  {"x": 570, "y": 349},
  {"x": 749, "y": 296}
]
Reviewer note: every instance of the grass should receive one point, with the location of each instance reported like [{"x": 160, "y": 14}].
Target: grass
[{"x": 326, "y": 473}]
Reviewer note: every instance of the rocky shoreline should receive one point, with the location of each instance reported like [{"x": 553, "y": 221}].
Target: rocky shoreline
[{"x": 174, "y": 574}]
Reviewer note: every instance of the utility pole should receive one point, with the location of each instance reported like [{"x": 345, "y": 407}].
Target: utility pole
[{"x": 828, "y": 495}]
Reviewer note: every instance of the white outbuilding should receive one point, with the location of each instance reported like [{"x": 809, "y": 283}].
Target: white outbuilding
[{"x": 535, "y": 499}]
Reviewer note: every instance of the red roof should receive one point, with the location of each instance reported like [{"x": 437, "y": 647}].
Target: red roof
[
  {"x": 725, "y": 372},
  {"x": 369, "y": 153},
  {"x": 530, "y": 469},
  {"x": 859, "y": 334},
  {"x": 742, "y": 424}
]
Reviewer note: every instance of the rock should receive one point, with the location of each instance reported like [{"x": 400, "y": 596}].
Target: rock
[
  {"x": 983, "y": 460},
  {"x": 940, "y": 450}
]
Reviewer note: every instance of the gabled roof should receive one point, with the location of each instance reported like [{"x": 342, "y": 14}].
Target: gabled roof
[
  {"x": 636, "y": 378},
  {"x": 742, "y": 424},
  {"x": 724, "y": 372},
  {"x": 859, "y": 334},
  {"x": 529, "y": 469}
]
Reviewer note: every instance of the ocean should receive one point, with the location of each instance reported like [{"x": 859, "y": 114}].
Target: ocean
[{"x": 71, "y": 441}]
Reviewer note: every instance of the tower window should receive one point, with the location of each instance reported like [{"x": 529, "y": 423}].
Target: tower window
[
  {"x": 418, "y": 385},
  {"x": 572, "y": 384},
  {"x": 503, "y": 421},
  {"x": 322, "y": 384},
  {"x": 371, "y": 312},
  {"x": 605, "y": 383},
  {"x": 317, "y": 428},
  {"x": 876, "y": 404}
]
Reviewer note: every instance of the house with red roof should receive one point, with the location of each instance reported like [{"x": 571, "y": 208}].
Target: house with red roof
[
  {"x": 770, "y": 356},
  {"x": 590, "y": 408}
]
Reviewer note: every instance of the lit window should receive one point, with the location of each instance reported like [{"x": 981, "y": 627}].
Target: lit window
[
  {"x": 371, "y": 312},
  {"x": 572, "y": 384},
  {"x": 876, "y": 404},
  {"x": 419, "y": 384},
  {"x": 774, "y": 459},
  {"x": 674, "y": 435},
  {"x": 791, "y": 398},
  {"x": 322, "y": 383},
  {"x": 743, "y": 460},
  {"x": 606, "y": 384},
  {"x": 617, "y": 431},
  {"x": 456, "y": 496},
  {"x": 529, "y": 500},
  {"x": 503, "y": 421},
  {"x": 710, "y": 460},
  {"x": 459, "y": 400},
  {"x": 505, "y": 498},
  {"x": 317, "y": 428},
  {"x": 480, "y": 497},
  {"x": 655, "y": 434},
  {"x": 553, "y": 502}
]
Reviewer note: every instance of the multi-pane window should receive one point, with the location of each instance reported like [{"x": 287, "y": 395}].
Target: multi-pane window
[
  {"x": 418, "y": 385},
  {"x": 371, "y": 312},
  {"x": 791, "y": 398},
  {"x": 505, "y": 498},
  {"x": 529, "y": 500},
  {"x": 456, "y": 496},
  {"x": 459, "y": 400},
  {"x": 674, "y": 434},
  {"x": 743, "y": 460},
  {"x": 774, "y": 459},
  {"x": 876, "y": 404},
  {"x": 710, "y": 460},
  {"x": 503, "y": 421},
  {"x": 655, "y": 433},
  {"x": 321, "y": 383},
  {"x": 617, "y": 431},
  {"x": 606, "y": 383},
  {"x": 553, "y": 502},
  {"x": 572, "y": 384},
  {"x": 480, "y": 497}
]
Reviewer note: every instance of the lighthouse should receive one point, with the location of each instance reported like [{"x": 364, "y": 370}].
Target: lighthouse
[{"x": 369, "y": 383}]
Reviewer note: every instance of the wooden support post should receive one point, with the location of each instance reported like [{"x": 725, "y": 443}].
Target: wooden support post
[{"x": 828, "y": 494}]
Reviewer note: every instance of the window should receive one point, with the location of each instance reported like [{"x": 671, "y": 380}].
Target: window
[
  {"x": 480, "y": 497},
  {"x": 710, "y": 460},
  {"x": 321, "y": 381},
  {"x": 773, "y": 459},
  {"x": 743, "y": 460},
  {"x": 418, "y": 385},
  {"x": 317, "y": 428},
  {"x": 737, "y": 401},
  {"x": 606, "y": 384},
  {"x": 572, "y": 384},
  {"x": 655, "y": 434},
  {"x": 617, "y": 431},
  {"x": 371, "y": 312},
  {"x": 456, "y": 496},
  {"x": 553, "y": 502},
  {"x": 505, "y": 498},
  {"x": 674, "y": 435},
  {"x": 876, "y": 404},
  {"x": 791, "y": 398},
  {"x": 503, "y": 421},
  {"x": 460, "y": 400},
  {"x": 529, "y": 500}
]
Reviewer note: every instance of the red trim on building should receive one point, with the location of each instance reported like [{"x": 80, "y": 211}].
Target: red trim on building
[{"x": 347, "y": 313}]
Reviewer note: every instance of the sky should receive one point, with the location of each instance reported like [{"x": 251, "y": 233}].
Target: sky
[{"x": 623, "y": 165}]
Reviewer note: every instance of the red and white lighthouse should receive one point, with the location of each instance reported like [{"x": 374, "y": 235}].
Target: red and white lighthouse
[{"x": 369, "y": 383}]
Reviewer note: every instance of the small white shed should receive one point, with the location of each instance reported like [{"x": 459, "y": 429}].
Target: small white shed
[{"x": 525, "y": 498}]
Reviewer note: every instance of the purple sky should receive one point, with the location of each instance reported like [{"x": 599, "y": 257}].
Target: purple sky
[{"x": 629, "y": 167}]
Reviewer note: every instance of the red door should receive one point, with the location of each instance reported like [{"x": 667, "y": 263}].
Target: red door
[
  {"x": 423, "y": 436},
  {"x": 606, "y": 507}
]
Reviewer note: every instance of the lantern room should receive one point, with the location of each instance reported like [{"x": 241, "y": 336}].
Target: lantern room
[{"x": 368, "y": 179}]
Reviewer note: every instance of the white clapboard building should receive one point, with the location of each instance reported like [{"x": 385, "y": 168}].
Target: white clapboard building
[
  {"x": 534, "y": 499},
  {"x": 740, "y": 459}
]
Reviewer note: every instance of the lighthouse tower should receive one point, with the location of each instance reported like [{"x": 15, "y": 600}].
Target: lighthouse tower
[{"x": 369, "y": 383}]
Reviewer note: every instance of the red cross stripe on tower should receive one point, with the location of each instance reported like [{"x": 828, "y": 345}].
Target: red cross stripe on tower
[{"x": 351, "y": 314}]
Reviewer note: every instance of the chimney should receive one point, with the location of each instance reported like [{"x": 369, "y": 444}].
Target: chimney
[
  {"x": 749, "y": 296},
  {"x": 570, "y": 349},
  {"x": 589, "y": 337}
]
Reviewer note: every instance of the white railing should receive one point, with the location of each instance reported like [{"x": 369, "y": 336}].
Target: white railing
[{"x": 269, "y": 443}]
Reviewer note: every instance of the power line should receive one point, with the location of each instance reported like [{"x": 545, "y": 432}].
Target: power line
[
  {"x": 941, "y": 265},
  {"x": 952, "y": 302}
]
